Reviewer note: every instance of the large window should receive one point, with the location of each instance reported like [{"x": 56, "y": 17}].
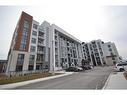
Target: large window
[
  {"x": 24, "y": 35},
  {"x": 37, "y": 67},
  {"x": 33, "y": 49},
  {"x": 20, "y": 59},
  {"x": 33, "y": 40},
  {"x": 31, "y": 59},
  {"x": 30, "y": 67},
  {"x": 19, "y": 68}
]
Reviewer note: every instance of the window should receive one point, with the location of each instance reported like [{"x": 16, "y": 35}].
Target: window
[
  {"x": 24, "y": 35},
  {"x": 40, "y": 48},
  {"x": 46, "y": 67},
  {"x": 30, "y": 67},
  {"x": 96, "y": 54},
  {"x": 25, "y": 29},
  {"x": 40, "y": 41},
  {"x": 109, "y": 46},
  {"x": 23, "y": 40},
  {"x": 33, "y": 40},
  {"x": 113, "y": 58},
  {"x": 37, "y": 67},
  {"x": 34, "y": 26},
  {"x": 112, "y": 54},
  {"x": 26, "y": 24},
  {"x": 110, "y": 49},
  {"x": 34, "y": 33},
  {"x": 31, "y": 59},
  {"x": 101, "y": 53},
  {"x": 125, "y": 64},
  {"x": 20, "y": 59},
  {"x": 33, "y": 48},
  {"x": 41, "y": 34},
  {"x": 19, "y": 68},
  {"x": 122, "y": 64},
  {"x": 22, "y": 46}
]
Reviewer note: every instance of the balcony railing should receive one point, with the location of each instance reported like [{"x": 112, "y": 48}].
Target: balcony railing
[
  {"x": 39, "y": 61},
  {"x": 40, "y": 52},
  {"x": 41, "y": 37},
  {"x": 41, "y": 44}
]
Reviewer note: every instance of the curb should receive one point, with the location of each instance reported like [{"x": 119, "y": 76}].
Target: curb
[
  {"x": 107, "y": 81},
  {"x": 14, "y": 85}
]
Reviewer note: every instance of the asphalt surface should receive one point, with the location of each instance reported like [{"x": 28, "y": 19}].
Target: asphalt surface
[{"x": 90, "y": 79}]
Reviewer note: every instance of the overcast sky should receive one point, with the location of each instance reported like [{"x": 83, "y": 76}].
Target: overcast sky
[{"x": 85, "y": 22}]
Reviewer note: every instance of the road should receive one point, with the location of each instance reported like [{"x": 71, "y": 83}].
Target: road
[{"x": 90, "y": 79}]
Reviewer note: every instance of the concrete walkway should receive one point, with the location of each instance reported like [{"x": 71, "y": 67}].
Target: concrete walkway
[
  {"x": 14, "y": 85},
  {"x": 116, "y": 81}
]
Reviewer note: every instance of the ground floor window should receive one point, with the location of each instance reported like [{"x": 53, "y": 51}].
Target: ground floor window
[
  {"x": 20, "y": 58},
  {"x": 19, "y": 68},
  {"x": 31, "y": 67}
]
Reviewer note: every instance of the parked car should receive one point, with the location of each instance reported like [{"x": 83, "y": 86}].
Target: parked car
[
  {"x": 121, "y": 66},
  {"x": 87, "y": 67},
  {"x": 79, "y": 68},
  {"x": 74, "y": 69}
]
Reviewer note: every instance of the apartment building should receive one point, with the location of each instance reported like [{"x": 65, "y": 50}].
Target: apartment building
[
  {"x": 111, "y": 55},
  {"x": 36, "y": 48},
  {"x": 94, "y": 52},
  {"x": 65, "y": 49},
  {"x": 46, "y": 47},
  {"x": 29, "y": 50},
  {"x": 99, "y": 53}
]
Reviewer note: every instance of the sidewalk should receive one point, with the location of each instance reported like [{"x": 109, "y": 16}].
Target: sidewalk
[
  {"x": 14, "y": 85},
  {"x": 116, "y": 81}
]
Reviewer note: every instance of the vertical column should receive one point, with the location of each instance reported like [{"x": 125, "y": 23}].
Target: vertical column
[{"x": 52, "y": 49}]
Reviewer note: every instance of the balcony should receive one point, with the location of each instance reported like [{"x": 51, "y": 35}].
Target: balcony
[
  {"x": 41, "y": 44},
  {"x": 41, "y": 37},
  {"x": 40, "y": 52},
  {"x": 39, "y": 61}
]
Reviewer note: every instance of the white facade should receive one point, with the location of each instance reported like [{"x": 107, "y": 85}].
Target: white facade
[
  {"x": 94, "y": 52},
  {"x": 110, "y": 53},
  {"x": 48, "y": 47},
  {"x": 99, "y": 53},
  {"x": 64, "y": 48},
  {"x": 33, "y": 36}
]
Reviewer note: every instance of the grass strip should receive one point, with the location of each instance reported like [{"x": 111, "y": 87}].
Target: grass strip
[{"x": 8, "y": 80}]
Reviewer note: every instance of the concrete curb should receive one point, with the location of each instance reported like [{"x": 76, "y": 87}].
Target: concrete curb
[
  {"x": 14, "y": 85},
  {"x": 107, "y": 81}
]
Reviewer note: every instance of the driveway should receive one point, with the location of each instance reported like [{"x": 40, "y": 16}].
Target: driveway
[{"x": 90, "y": 79}]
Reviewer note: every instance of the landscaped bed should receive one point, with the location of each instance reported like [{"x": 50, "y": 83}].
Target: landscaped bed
[{"x": 7, "y": 80}]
